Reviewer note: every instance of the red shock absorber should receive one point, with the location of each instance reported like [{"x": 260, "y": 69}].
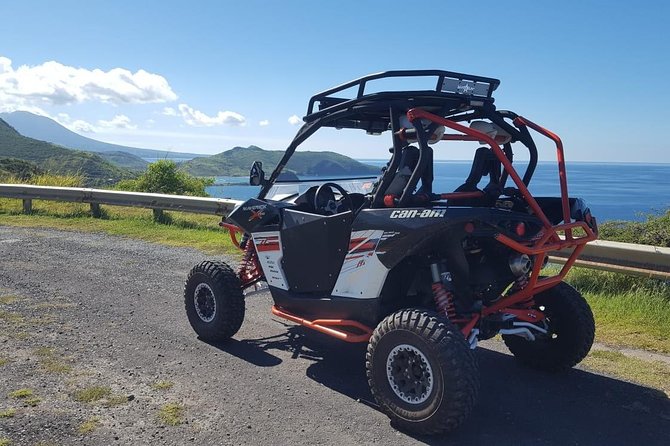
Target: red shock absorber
[
  {"x": 249, "y": 271},
  {"x": 444, "y": 298}
]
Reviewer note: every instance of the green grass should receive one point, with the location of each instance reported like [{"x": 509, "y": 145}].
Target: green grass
[
  {"x": 629, "y": 311},
  {"x": 89, "y": 426},
  {"x": 6, "y": 300},
  {"x": 654, "y": 374},
  {"x": 32, "y": 401},
  {"x": 171, "y": 414},
  {"x": 8, "y": 413},
  {"x": 3, "y": 361},
  {"x": 115, "y": 400},
  {"x": 92, "y": 394},
  {"x": 193, "y": 230},
  {"x": 5, "y": 442},
  {"x": 50, "y": 363},
  {"x": 99, "y": 394},
  {"x": 162, "y": 385},
  {"x": 11, "y": 318},
  {"x": 48, "y": 179},
  {"x": 21, "y": 393}
]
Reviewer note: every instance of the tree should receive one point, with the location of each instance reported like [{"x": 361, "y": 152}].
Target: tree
[{"x": 164, "y": 177}]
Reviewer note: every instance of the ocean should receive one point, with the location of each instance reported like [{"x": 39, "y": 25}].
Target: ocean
[{"x": 613, "y": 191}]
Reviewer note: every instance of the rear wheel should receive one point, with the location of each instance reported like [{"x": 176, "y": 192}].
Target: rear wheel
[
  {"x": 214, "y": 301},
  {"x": 422, "y": 372},
  {"x": 571, "y": 331}
]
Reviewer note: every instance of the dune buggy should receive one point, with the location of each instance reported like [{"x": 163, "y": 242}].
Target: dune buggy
[{"x": 419, "y": 275}]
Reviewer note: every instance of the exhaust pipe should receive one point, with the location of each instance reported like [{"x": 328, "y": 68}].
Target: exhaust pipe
[{"x": 520, "y": 264}]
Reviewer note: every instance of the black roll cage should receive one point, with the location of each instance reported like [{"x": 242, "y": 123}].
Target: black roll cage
[{"x": 457, "y": 97}]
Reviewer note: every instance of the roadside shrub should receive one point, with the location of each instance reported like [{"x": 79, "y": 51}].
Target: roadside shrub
[
  {"x": 655, "y": 230},
  {"x": 164, "y": 177}
]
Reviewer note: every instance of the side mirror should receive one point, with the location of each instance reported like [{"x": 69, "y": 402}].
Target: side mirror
[{"x": 256, "y": 175}]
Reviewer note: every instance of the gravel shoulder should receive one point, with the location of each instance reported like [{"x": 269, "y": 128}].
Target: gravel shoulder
[{"x": 102, "y": 316}]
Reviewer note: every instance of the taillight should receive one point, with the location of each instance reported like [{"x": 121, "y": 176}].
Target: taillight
[{"x": 520, "y": 229}]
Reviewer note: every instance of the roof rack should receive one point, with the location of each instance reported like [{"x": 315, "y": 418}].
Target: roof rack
[{"x": 448, "y": 84}]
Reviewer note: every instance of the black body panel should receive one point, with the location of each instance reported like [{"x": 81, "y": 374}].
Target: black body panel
[
  {"x": 313, "y": 248},
  {"x": 254, "y": 214},
  {"x": 411, "y": 231}
]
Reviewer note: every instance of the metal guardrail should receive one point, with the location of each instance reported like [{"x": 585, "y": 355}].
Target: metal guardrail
[
  {"x": 626, "y": 258},
  {"x": 96, "y": 197}
]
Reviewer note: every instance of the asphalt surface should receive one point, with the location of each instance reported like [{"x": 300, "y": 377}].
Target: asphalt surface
[{"x": 112, "y": 309}]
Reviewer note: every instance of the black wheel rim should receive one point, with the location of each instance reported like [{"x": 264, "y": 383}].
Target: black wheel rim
[
  {"x": 204, "y": 302},
  {"x": 409, "y": 374}
]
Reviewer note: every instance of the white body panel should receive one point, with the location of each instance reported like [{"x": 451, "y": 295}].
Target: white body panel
[
  {"x": 268, "y": 247},
  {"x": 362, "y": 275}
]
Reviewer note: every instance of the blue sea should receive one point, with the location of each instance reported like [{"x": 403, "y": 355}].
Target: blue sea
[{"x": 614, "y": 191}]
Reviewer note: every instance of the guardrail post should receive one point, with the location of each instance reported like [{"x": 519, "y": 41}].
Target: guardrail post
[
  {"x": 159, "y": 216},
  {"x": 95, "y": 210},
  {"x": 27, "y": 206}
]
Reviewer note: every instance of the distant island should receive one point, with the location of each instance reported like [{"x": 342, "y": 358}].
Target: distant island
[{"x": 237, "y": 161}]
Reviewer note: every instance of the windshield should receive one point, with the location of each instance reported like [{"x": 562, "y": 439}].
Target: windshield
[{"x": 287, "y": 191}]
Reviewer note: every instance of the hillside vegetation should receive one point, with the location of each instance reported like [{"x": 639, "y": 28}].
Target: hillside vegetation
[
  {"x": 655, "y": 230},
  {"x": 237, "y": 161},
  {"x": 18, "y": 169},
  {"x": 58, "y": 160},
  {"x": 125, "y": 160}
]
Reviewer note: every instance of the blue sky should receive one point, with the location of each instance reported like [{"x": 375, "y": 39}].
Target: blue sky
[{"x": 206, "y": 76}]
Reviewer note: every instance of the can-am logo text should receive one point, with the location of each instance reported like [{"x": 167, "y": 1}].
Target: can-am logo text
[{"x": 415, "y": 213}]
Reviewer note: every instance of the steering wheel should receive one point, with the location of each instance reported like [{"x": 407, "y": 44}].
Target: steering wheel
[{"x": 324, "y": 199}]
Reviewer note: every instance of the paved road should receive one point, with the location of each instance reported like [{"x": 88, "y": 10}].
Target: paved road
[{"x": 113, "y": 308}]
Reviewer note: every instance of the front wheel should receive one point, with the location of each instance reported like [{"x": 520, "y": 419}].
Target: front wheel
[
  {"x": 422, "y": 372},
  {"x": 571, "y": 330},
  {"x": 214, "y": 301}
]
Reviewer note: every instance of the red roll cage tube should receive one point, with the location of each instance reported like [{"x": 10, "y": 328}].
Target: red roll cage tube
[
  {"x": 519, "y": 302},
  {"x": 550, "y": 240}
]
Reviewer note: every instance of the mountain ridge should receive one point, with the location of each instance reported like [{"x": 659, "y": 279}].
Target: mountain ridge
[
  {"x": 57, "y": 159},
  {"x": 46, "y": 129},
  {"x": 238, "y": 160}
]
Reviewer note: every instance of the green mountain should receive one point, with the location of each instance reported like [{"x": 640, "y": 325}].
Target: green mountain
[
  {"x": 57, "y": 159},
  {"x": 237, "y": 162},
  {"x": 125, "y": 160}
]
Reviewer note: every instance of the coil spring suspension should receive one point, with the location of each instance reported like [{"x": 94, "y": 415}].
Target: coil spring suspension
[
  {"x": 521, "y": 282},
  {"x": 444, "y": 300},
  {"x": 249, "y": 270}
]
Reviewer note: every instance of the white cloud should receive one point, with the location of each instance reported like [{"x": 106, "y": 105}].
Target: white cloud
[
  {"x": 117, "y": 122},
  {"x": 57, "y": 84},
  {"x": 197, "y": 118},
  {"x": 294, "y": 120},
  {"x": 81, "y": 126},
  {"x": 264, "y": 123},
  {"x": 77, "y": 125},
  {"x": 169, "y": 111}
]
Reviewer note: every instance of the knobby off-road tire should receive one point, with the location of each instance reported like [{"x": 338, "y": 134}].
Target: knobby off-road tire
[
  {"x": 571, "y": 328},
  {"x": 214, "y": 301},
  {"x": 436, "y": 354}
]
